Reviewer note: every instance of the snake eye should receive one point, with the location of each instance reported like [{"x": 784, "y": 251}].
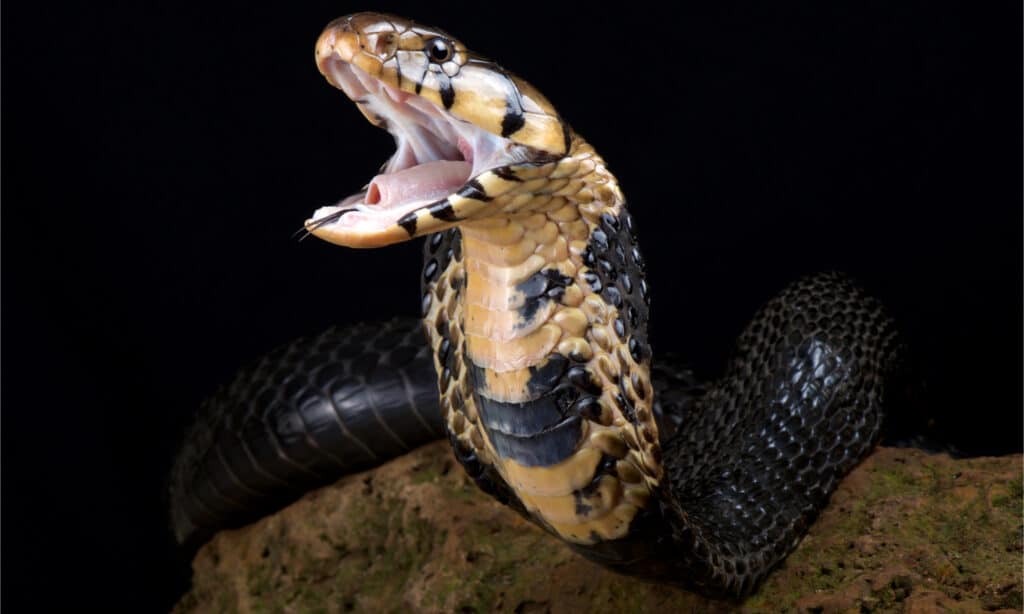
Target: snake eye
[{"x": 439, "y": 50}]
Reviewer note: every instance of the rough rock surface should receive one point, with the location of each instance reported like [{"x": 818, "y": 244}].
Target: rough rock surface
[{"x": 905, "y": 532}]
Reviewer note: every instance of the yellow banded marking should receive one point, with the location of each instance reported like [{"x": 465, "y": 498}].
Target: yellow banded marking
[
  {"x": 495, "y": 185},
  {"x": 505, "y": 276},
  {"x": 506, "y": 386},
  {"x": 562, "y": 509},
  {"x": 508, "y": 232},
  {"x": 565, "y": 215},
  {"x": 545, "y": 234},
  {"x": 493, "y": 297},
  {"x": 519, "y": 354},
  {"x": 504, "y": 325},
  {"x": 500, "y": 255},
  {"x": 557, "y": 251},
  {"x": 611, "y": 526},
  {"x": 571, "y": 474},
  {"x": 576, "y": 348},
  {"x": 572, "y": 320}
]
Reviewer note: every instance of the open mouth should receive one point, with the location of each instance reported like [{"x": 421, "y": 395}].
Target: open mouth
[{"x": 436, "y": 155}]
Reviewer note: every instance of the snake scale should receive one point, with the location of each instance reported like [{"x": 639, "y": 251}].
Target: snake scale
[{"x": 536, "y": 363}]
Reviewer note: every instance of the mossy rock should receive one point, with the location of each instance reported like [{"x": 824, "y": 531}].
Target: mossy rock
[{"x": 905, "y": 532}]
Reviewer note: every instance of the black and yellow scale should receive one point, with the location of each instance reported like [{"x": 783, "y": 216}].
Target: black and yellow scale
[{"x": 537, "y": 364}]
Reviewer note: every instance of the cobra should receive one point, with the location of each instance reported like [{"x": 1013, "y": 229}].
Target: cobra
[{"x": 536, "y": 363}]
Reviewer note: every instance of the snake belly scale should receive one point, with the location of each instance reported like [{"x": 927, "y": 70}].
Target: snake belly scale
[{"x": 536, "y": 362}]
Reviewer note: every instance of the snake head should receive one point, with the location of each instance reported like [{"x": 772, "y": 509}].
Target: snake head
[{"x": 462, "y": 127}]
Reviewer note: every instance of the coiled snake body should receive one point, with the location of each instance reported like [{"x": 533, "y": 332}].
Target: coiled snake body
[{"x": 537, "y": 365}]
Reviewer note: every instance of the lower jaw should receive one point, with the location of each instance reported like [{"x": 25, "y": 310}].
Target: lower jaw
[{"x": 371, "y": 218}]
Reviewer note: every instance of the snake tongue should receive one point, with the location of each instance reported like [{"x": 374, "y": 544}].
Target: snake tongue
[{"x": 427, "y": 181}]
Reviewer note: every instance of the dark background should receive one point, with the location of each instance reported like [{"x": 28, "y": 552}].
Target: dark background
[{"x": 157, "y": 159}]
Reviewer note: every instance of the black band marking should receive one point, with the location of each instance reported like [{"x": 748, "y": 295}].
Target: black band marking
[
  {"x": 506, "y": 173},
  {"x": 446, "y": 90},
  {"x": 511, "y": 123},
  {"x": 514, "y": 118},
  {"x": 544, "y": 377},
  {"x": 408, "y": 222},
  {"x": 616, "y": 269},
  {"x": 520, "y": 419},
  {"x": 443, "y": 210},
  {"x": 543, "y": 449},
  {"x": 423, "y": 77},
  {"x": 543, "y": 286},
  {"x": 474, "y": 190}
]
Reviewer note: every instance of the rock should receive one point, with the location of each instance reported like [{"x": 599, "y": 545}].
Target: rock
[{"x": 906, "y": 531}]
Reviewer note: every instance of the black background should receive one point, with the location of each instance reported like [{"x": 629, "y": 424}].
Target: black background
[{"x": 156, "y": 160}]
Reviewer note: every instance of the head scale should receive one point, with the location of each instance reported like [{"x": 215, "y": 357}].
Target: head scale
[{"x": 429, "y": 62}]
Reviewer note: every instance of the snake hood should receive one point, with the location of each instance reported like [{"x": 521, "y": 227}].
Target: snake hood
[{"x": 459, "y": 121}]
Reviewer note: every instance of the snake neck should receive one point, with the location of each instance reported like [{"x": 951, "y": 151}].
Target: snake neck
[{"x": 538, "y": 318}]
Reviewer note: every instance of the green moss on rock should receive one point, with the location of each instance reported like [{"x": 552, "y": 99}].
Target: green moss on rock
[{"x": 906, "y": 531}]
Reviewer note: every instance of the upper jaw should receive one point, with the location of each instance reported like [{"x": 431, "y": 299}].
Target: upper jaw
[{"x": 436, "y": 154}]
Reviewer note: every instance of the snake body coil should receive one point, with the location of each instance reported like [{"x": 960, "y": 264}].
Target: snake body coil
[{"x": 537, "y": 364}]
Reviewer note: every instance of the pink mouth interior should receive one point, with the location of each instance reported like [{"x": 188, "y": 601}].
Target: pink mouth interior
[
  {"x": 433, "y": 158},
  {"x": 436, "y": 154}
]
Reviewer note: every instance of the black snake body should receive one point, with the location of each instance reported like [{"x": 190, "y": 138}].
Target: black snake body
[{"x": 537, "y": 364}]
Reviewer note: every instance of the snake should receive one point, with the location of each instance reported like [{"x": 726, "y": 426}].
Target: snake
[{"x": 532, "y": 355}]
